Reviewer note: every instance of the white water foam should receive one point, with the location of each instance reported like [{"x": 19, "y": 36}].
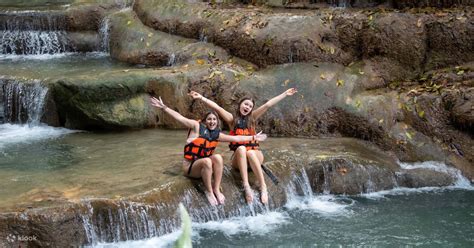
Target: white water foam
[
  {"x": 14, "y": 134},
  {"x": 259, "y": 224},
  {"x": 326, "y": 205},
  {"x": 158, "y": 242}
]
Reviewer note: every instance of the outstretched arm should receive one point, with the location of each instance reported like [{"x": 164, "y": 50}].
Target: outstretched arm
[
  {"x": 240, "y": 138},
  {"x": 226, "y": 116},
  {"x": 262, "y": 109},
  {"x": 177, "y": 116}
]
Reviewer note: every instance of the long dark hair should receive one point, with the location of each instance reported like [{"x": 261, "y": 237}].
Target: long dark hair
[
  {"x": 250, "y": 120},
  {"x": 203, "y": 120}
]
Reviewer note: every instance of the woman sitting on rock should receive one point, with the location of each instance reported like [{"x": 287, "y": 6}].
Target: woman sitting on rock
[
  {"x": 244, "y": 124},
  {"x": 199, "y": 158}
]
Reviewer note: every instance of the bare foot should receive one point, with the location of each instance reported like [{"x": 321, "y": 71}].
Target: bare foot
[
  {"x": 264, "y": 196},
  {"x": 248, "y": 194},
  {"x": 220, "y": 197},
  {"x": 211, "y": 198}
]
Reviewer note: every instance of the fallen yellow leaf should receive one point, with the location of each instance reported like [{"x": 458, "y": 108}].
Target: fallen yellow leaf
[
  {"x": 200, "y": 61},
  {"x": 340, "y": 82}
]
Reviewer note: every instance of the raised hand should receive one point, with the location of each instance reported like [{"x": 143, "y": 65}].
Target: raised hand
[
  {"x": 260, "y": 136},
  {"x": 195, "y": 95},
  {"x": 157, "y": 103},
  {"x": 290, "y": 92}
]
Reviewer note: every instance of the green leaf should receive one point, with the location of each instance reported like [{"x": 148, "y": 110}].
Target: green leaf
[
  {"x": 184, "y": 239},
  {"x": 408, "y": 135},
  {"x": 358, "y": 103},
  {"x": 212, "y": 53},
  {"x": 421, "y": 114}
]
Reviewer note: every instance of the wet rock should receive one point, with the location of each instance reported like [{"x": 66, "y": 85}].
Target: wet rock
[
  {"x": 451, "y": 41},
  {"x": 135, "y": 43},
  {"x": 399, "y": 45},
  {"x": 396, "y": 37},
  {"x": 460, "y": 104},
  {"x": 84, "y": 41},
  {"x": 431, "y": 3},
  {"x": 98, "y": 103},
  {"x": 365, "y": 3},
  {"x": 341, "y": 176},
  {"x": 57, "y": 227},
  {"x": 418, "y": 178}
]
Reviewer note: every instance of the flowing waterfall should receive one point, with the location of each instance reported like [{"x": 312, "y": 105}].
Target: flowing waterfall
[
  {"x": 104, "y": 31},
  {"x": 203, "y": 35},
  {"x": 23, "y": 102},
  {"x": 33, "y": 33},
  {"x": 172, "y": 60}
]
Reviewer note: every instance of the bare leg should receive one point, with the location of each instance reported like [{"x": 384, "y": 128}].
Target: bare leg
[
  {"x": 239, "y": 161},
  {"x": 203, "y": 168},
  {"x": 217, "y": 168},
  {"x": 255, "y": 158}
]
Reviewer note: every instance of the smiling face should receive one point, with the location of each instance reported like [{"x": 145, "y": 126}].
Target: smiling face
[
  {"x": 246, "y": 107},
  {"x": 211, "y": 121}
]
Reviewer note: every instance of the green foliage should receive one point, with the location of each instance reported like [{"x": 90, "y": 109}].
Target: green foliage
[{"x": 184, "y": 239}]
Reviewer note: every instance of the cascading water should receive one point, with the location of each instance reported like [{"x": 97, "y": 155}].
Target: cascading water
[
  {"x": 104, "y": 35},
  {"x": 172, "y": 60},
  {"x": 203, "y": 36},
  {"x": 33, "y": 33},
  {"x": 125, "y": 221},
  {"x": 23, "y": 102}
]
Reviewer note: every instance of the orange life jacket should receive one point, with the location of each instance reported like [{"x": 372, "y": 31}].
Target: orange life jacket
[
  {"x": 241, "y": 128},
  {"x": 204, "y": 145}
]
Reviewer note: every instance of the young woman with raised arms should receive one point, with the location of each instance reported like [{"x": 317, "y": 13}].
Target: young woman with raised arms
[{"x": 199, "y": 157}]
